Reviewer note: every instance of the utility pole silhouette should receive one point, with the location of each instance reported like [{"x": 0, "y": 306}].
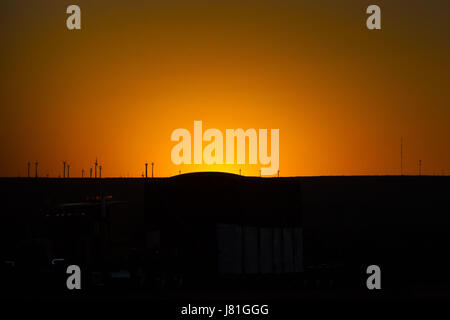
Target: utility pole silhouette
[
  {"x": 68, "y": 169},
  {"x": 146, "y": 165},
  {"x": 100, "y": 167},
  {"x": 401, "y": 156},
  {"x": 96, "y": 163},
  {"x": 29, "y": 164},
  {"x": 64, "y": 170},
  {"x": 152, "y": 168},
  {"x": 420, "y": 167},
  {"x": 90, "y": 172},
  {"x": 36, "y": 164},
  {"x": 278, "y": 173}
]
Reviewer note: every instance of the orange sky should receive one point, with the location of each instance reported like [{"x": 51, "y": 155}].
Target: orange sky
[{"x": 341, "y": 95}]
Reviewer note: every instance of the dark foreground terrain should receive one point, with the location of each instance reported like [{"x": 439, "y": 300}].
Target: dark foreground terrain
[{"x": 222, "y": 237}]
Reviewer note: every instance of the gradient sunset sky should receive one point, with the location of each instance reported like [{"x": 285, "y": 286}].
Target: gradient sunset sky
[{"x": 341, "y": 95}]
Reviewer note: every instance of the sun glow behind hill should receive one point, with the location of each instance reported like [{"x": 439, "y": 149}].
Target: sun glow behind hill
[{"x": 341, "y": 96}]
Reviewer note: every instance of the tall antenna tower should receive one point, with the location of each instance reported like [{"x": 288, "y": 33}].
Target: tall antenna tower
[
  {"x": 68, "y": 169},
  {"x": 146, "y": 165},
  {"x": 29, "y": 164},
  {"x": 153, "y": 164},
  {"x": 64, "y": 170},
  {"x": 100, "y": 167},
  {"x": 401, "y": 156},
  {"x": 96, "y": 163},
  {"x": 90, "y": 172}
]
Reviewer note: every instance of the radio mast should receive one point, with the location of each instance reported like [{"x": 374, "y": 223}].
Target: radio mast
[{"x": 96, "y": 163}]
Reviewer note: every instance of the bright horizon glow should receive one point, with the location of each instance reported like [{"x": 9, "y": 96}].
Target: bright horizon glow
[{"x": 342, "y": 96}]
